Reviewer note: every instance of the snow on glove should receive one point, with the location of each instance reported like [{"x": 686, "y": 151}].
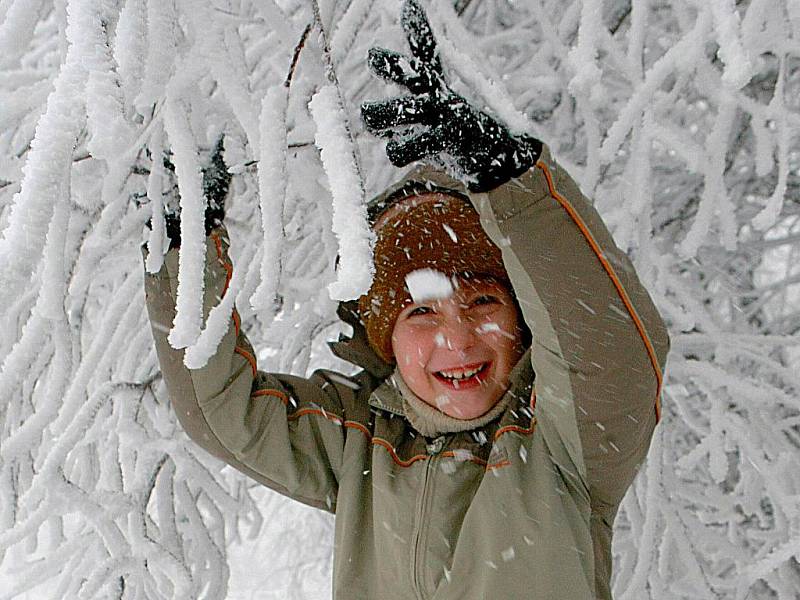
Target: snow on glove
[
  {"x": 482, "y": 150},
  {"x": 216, "y": 181}
]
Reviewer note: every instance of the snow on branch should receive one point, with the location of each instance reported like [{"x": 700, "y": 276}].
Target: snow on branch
[
  {"x": 50, "y": 158},
  {"x": 191, "y": 265},
  {"x": 157, "y": 241},
  {"x": 738, "y": 69},
  {"x": 161, "y": 52},
  {"x": 583, "y": 57},
  {"x": 109, "y": 133},
  {"x": 448, "y": 28},
  {"x": 130, "y": 48},
  {"x": 354, "y": 275},
  {"x": 17, "y": 29},
  {"x": 348, "y": 27},
  {"x": 272, "y": 191}
]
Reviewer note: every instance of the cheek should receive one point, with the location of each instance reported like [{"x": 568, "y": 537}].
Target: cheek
[
  {"x": 503, "y": 333},
  {"x": 411, "y": 348},
  {"x": 499, "y": 325},
  {"x": 412, "y": 357}
]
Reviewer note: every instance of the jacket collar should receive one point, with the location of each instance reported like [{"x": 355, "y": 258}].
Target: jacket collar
[{"x": 387, "y": 397}]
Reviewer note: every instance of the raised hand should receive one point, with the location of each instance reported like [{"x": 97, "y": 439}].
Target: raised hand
[
  {"x": 436, "y": 123},
  {"x": 216, "y": 181}
]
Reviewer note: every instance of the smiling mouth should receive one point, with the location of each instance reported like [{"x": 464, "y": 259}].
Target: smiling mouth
[{"x": 463, "y": 377}]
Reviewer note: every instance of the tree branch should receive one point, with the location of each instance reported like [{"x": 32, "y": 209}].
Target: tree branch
[{"x": 296, "y": 55}]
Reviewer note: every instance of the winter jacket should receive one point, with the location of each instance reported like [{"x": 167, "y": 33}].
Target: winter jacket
[{"x": 522, "y": 507}]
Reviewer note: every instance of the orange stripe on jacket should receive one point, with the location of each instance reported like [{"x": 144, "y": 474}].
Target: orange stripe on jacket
[
  {"x": 237, "y": 323},
  {"x": 226, "y": 265},
  {"x": 517, "y": 428},
  {"x": 250, "y": 358},
  {"x": 612, "y": 275},
  {"x": 274, "y": 393}
]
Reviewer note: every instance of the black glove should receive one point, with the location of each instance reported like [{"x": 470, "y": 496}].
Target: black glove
[
  {"x": 216, "y": 181},
  {"x": 483, "y": 150}
]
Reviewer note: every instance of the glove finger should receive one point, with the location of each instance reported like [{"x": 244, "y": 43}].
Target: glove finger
[
  {"x": 388, "y": 64},
  {"x": 420, "y": 36},
  {"x": 397, "y": 112},
  {"x": 417, "y": 76},
  {"x": 428, "y": 143}
]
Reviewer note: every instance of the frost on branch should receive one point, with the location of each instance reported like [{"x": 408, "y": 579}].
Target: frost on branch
[
  {"x": 188, "y": 315},
  {"x": 272, "y": 191},
  {"x": 157, "y": 241},
  {"x": 349, "y": 213}
]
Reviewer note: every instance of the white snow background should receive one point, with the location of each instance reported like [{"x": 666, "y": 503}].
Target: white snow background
[{"x": 680, "y": 117}]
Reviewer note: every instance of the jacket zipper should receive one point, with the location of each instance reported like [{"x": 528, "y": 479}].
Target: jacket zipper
[{"x": 434, "y": 448}]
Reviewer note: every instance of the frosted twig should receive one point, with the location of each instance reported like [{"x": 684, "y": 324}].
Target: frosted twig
[
  {"x": 349, "y": 213},
  {"x": 769, "y": 215},
  {"x": 296, "y": 54},
  {"x": 272, "y": 191},
  {"x": 17, "y": 29},
  {"x": 583, "y": 57},
  {"x": 715, "y": 190},
  {"x": 445, "y": 26},
  {"x": 348, "y": 27},
  {"x": 738, "y": 69},
  {"x": 161, "y": 26},
  {"x": 47, "y": 164},
  {"x": 157, "y": 243},
  {"x": 189, "y": 303},
  {"x": 330, "y": 73}
]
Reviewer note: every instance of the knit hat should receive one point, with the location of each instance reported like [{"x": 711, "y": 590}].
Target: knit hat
[{"x": 422, "y": 229}]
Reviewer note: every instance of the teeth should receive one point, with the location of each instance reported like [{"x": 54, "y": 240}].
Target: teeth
[{"x": 460, "y": 373}]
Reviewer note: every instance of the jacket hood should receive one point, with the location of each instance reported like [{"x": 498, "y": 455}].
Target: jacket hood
[{"x": 355, "y": 349}]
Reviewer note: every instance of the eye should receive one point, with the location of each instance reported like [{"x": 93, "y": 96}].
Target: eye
[
  {"x": 485, "y": 299},
  {"x": 419, "y": 311}
]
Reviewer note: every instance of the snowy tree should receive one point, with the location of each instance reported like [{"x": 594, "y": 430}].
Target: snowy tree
[{"x": 679, "y": 117}]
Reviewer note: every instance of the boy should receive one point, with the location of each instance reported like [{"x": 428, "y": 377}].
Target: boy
[{"x": 467, "y": 459}]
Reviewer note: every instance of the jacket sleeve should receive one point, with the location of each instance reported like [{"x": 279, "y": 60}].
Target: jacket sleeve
[
  {"x": 285, "y": 432},
  {"x": 599, "y": 344}
]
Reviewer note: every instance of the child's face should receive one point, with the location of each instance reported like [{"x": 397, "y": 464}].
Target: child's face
[{"x": 456, "y": 354}]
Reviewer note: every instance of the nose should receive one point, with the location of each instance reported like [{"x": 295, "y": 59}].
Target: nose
[{"x": 457, "y": 333}]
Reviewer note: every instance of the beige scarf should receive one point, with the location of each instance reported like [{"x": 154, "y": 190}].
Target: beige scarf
[{"x": 430, "y": 421}]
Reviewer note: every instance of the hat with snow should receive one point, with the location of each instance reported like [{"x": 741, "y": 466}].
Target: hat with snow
[{"x": 422, "y": 227}]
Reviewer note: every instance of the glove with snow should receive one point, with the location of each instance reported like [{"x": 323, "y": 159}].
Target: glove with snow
[
  {"x": 482, "y": 150},
  {"x": 216, "y": 181}
]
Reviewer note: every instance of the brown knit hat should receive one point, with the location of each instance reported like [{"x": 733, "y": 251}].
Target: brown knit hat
[{"x": 431, "y": 230}]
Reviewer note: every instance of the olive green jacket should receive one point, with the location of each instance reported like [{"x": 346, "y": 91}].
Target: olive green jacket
[{"x": 519, "y": 508}]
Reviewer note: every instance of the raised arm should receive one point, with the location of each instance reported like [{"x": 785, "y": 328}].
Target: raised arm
[
  {"x": 285, "y": 432},
  {"x": 599, "y": 344}
]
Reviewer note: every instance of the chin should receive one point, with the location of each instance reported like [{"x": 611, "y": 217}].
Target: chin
[{"x": 466, "y": 408}]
